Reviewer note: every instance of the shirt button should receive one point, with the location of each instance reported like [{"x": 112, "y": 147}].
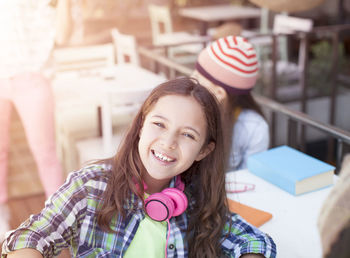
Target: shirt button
[{"x": 171, "y": 246}]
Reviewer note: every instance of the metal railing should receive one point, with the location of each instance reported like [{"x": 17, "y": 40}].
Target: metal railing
[
  {"x": 295, "y": 118},
  {"x": 330, "y": 32}
]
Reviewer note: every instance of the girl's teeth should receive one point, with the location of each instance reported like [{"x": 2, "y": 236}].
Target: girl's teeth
[{"x": 162, "y": 157}]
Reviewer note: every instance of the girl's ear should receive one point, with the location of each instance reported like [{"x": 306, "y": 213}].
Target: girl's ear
[
  {"x": 205, "y": 151},
  {"x": 220, "y": 93}
]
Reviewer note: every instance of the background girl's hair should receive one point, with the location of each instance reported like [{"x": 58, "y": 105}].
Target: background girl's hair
[
  {"x": 204, "y": 180},
  {"x": 245, "y": 101}
]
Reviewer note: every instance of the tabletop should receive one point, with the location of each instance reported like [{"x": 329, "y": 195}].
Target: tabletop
[
  {"x": 293, "y": 226},
  {"x": 90, "y": 85},
  {"x": 217, "y": 13}
]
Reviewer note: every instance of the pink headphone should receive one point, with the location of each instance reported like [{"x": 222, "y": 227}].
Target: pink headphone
[{"x": 168, "y": 203}]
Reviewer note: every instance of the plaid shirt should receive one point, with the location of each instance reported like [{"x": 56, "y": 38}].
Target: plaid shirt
[{"x": 69, "y": 220}]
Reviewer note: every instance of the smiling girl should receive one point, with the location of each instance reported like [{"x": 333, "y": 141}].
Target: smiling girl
[{"x": 162, "y": 195}]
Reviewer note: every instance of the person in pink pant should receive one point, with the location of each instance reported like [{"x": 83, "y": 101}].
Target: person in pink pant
[
  {"x": 30, "y": 93},
  {"x": 27, "y": 38}
]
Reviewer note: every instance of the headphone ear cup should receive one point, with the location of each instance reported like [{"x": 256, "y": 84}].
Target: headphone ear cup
[
  {"x": 159, "y": 207},
  {"x": 179, "y": 199}
]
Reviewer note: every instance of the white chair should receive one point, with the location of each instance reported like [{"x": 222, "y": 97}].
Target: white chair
[
  {"x": 263, "y": 44},
  {"x": 163, "y": 36},
  {"x": 115, "y": 103},
  {"x": 284, "y": 24},
  {"x": 76, "y": 115},
  {"x": 125, "y": 46},
  {"x": 287, "y": 71},
  {"x": 290, "y": 72}
]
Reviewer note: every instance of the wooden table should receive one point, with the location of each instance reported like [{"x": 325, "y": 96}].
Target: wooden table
[
  {"x": 293, "y": 226},
  {"x": 218, "y": 13}
]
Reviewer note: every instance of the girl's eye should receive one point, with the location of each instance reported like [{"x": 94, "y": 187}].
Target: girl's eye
[
  {"x": 159, "y": 124},
  {"x": 189, "y": 136}
]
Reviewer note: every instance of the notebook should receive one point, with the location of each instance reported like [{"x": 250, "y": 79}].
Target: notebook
[{"x": 252, "y": 215}]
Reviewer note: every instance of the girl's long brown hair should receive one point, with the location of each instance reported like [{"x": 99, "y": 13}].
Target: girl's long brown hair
[{"x": 204, "y": 180}]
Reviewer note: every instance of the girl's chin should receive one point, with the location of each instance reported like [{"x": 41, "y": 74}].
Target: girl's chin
[
  {"x": 159, "y": 178},
  {"x": 156, "y": 177}
]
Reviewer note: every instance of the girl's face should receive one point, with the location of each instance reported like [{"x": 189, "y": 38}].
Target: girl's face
[
  {"x": 217, "y": 91},
  {"x": 171, "y": 139}
]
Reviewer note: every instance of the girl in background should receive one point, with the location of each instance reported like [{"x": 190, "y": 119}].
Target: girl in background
[
  {"x": 162, "y": 195},
  {"x": 229, "y": 68}
]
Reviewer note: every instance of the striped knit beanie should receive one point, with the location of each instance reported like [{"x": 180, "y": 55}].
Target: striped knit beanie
[{"x": 231, "y": 63}]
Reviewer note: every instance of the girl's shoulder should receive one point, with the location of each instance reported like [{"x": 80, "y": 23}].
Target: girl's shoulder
[
  {"x": 249, "y": 114},
  {"x": 95, "y": 175},
  {"x": 249, "y": 117},
  {"x": 91, "y": 171},
  {"x": 84, "y": 188}
]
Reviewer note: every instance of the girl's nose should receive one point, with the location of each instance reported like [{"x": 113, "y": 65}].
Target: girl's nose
[{"x": 169, "y": 140}]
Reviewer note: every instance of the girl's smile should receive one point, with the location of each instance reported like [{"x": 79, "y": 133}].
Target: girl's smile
[
  {"x": 171, "y": 139},
  {"x": 162, "y": 157}
]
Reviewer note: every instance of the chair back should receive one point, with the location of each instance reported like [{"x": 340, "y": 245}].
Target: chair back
[
  {"x": 86, "y": 57},
  {"x": 284, "y": 24},
  {"x": 119, "y": 103},
  {"x": 161, "y": 22},
  {"x": 287, "y": 24},
  {"x": 125, "y": 47}
]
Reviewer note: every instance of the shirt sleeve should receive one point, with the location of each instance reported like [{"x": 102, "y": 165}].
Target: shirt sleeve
[
  {"x": 244, "y": 238},
  {"x": 250, "y": 135},
  {"x": 258, "y": 141},
  {"x": 56, "y": 226}
]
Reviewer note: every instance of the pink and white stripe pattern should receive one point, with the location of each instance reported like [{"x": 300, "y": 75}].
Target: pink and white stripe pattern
[
  {"x": 235, "y": 54},
  {"x": 230, "y": 62}
]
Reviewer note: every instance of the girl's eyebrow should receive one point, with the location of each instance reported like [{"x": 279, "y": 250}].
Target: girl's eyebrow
[{"x": 186, "y": 127}]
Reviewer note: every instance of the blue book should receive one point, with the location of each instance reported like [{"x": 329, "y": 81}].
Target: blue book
[{"x": 291, "y": 170}]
